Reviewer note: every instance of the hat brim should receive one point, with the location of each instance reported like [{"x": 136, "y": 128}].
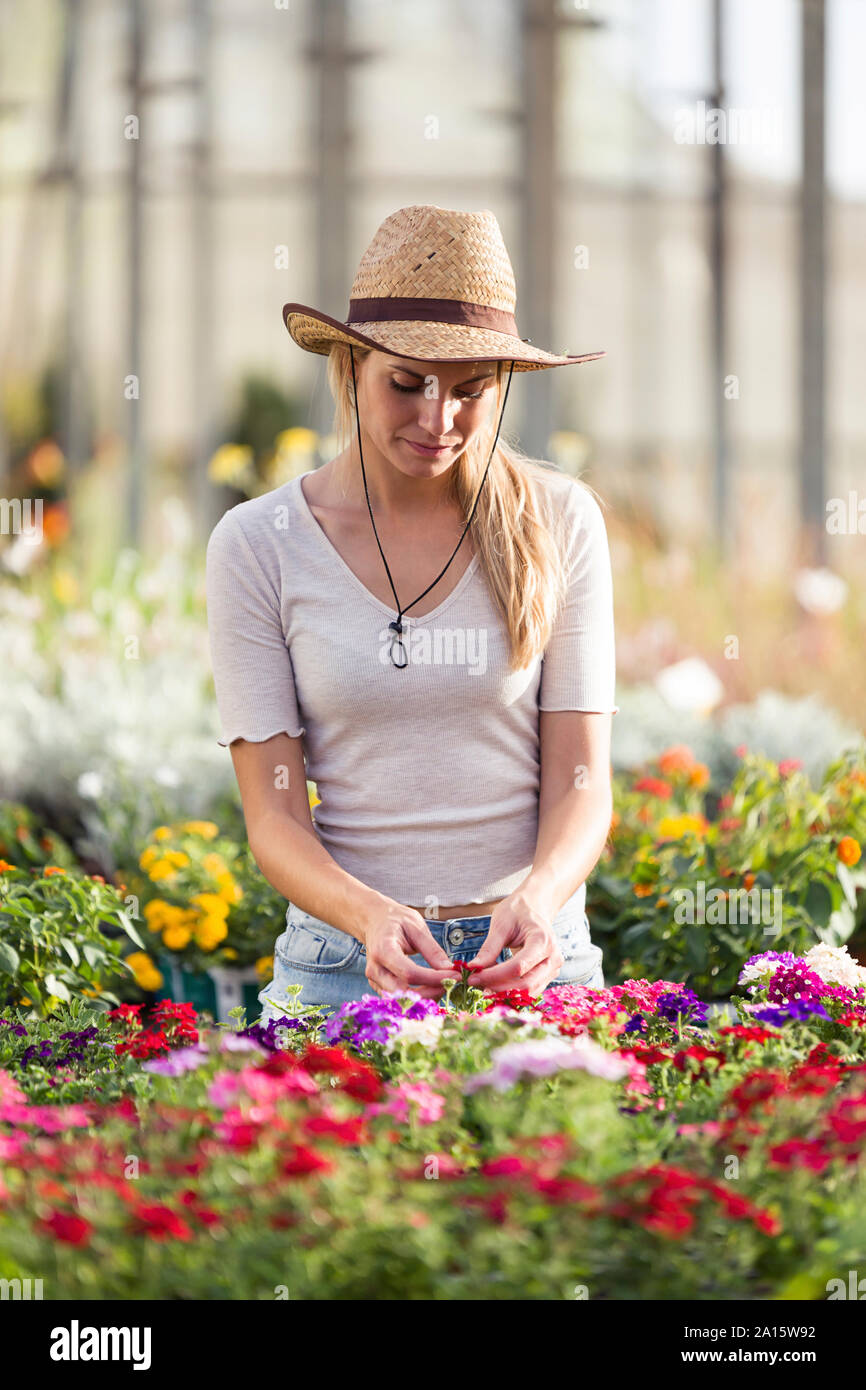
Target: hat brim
[{"x": 422, "y": 340}]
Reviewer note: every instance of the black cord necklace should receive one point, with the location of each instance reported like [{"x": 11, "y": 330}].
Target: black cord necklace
[{"x": 397, "y": 625}]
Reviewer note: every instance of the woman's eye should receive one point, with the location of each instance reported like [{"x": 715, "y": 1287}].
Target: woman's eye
[{"x": 464, "y": 395}]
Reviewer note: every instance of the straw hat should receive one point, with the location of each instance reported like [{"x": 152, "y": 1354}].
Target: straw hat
[{"x": 434, "y": 284}]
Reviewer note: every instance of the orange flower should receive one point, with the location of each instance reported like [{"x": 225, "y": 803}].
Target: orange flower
[
  {"x": 848, "y": 850},
  {"x": 55, "y": 523},
  {"x": 699, "y": 775},
  {"x": 97, "y": 878},
  {"x": 643, "y": 890},
  {"x": 678, "y": 758},
  {"x": 52, "y": 869},
  {"x": 748, "y": 881},
  {"x": 4, "y": 865}
]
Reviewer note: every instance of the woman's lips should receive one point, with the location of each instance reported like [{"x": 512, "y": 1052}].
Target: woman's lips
[{"x": 429, "y": 453}]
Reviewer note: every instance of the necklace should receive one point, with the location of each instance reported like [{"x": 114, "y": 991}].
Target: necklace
[{"x": 397, "y": 625}]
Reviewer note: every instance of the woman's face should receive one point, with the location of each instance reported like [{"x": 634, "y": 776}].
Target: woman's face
[{"x": 404, "y": 402}]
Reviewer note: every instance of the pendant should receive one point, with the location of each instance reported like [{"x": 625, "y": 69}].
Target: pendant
[{"x": 397, "y": 629}]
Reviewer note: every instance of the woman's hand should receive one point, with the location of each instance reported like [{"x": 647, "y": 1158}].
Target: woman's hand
[
  {"x": 392, "y": 935},
  {"x": 524, "y": 926}
]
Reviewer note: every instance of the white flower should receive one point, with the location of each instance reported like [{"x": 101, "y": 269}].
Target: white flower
[
  {"x": 835, "y": 965},
  {"x": 423, "y": 1030},
  {"x": 89, "y": 784},
  {"x": 690, "y": 685},
  {"x": 820, "y": 590}
]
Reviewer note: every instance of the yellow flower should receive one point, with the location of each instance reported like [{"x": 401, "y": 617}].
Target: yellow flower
[
  {"x": 213, "y": 864},
  {"x": 148, "y": 857},
  {"x": 205, "y": 828},
  {"x": 229, "y": 891},
  {"x": 146, "y": 974},
  {"x": 313, "y": 796},
  {"x": 176, "y": 937},
  {"x": 177, "y": 857},
  {"x": 65, "y": 588},
  {"x": 211, "y": 904},
  {"x": 157, "y": 913},
  {"x": 674, "y": 827},
  {"x": 230, "y": 953},
  {"x": 162, "y": 868},
  {"x": 163, "y": 832},
  {"x": 210, "y": 931},
  {"x": 296, "y": 441},
  {"x": 264, "y": 966},
  {"x": 230, "y": 463}
]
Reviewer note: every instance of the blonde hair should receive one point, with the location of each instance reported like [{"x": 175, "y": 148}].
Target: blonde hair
[{"x": 522, "y": 560}]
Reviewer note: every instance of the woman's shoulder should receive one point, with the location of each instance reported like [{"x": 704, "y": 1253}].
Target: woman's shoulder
[
  {"x": 565, "y": 498},
  {"x": 258, "y": 518}
]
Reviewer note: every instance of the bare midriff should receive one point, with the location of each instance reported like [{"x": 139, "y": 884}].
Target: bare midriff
[{"x": 442, "y": 914}]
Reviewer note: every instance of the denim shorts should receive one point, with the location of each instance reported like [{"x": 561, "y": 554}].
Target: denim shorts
[{"x": 330, "y": 965}]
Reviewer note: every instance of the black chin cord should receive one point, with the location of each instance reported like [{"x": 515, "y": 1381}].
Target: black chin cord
[{"x": 397, "y": 625}]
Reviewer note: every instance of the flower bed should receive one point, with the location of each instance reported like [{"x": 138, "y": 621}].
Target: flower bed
[{"x": 616, "y": 1144}]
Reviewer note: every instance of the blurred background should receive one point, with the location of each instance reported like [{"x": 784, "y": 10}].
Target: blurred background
[{"x": 679, "y": 182}]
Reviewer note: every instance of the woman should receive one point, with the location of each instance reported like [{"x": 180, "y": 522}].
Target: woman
[{"x": 460, "y": 743}]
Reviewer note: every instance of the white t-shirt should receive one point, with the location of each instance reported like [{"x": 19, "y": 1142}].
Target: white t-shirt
[{"x": 428, "y": 775}]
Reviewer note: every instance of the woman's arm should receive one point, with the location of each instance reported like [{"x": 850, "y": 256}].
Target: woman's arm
[
  {"x": 273, "y": 784},
  {"x": 575, "y": 805}
]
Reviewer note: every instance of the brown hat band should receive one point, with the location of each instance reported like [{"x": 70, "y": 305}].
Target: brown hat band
[{"x": 435, "y": 310}]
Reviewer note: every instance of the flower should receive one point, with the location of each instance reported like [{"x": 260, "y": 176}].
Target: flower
[
  {"x": 835, "y": 965},
  {"x": 159, "y": 1222},
  {"x": 147, "y": 976},
  {"x": 68, "y": 1227},
  {"x": 422, "y": 1030},
  {"x": 210, "y": 931},
  {"x": 545, "y": 1057},
  {"x": 176, "y": 937},
  {"x": 181, "y": 1060},
  {"x": 848, "y": 850},
  {"x": 675, "y": 827},
  {"x": 206, "y": 828}
]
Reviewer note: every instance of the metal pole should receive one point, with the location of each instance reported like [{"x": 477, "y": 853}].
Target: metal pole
[
  {"x": 812, "y": 286},
  {"x": 537, "y": 254},
  {"x": 332, "y": 202},
  {"x": 722, "y": 528},
  {"x": 134, "y": 287},
  {"x": 205, "y": 496}
]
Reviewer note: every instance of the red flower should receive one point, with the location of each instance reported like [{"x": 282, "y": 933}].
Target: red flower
[
  {"x": 800, "y": 1153},
  {"x": 66, "y": 1226},
  {"x": 655, "y": 786},
  {"x": 159, "y": 1222},
  {"x": 328, "y": 1059},
  {"x": 303, "y": 1160},
  {"x": 349, "y": 1131},
  {"x": 507, "y": 1165}
]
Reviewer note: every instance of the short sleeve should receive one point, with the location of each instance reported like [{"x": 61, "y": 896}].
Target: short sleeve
[
  {"x": 252, "y": 668},
  {"x": 578, "y": 668}
]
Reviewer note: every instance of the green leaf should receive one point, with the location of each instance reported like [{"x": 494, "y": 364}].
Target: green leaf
[
  {"x": 131, "y": 931},
  {"x": 55, "y": 986},
  {"x": 71, "y": 949},
  {"x": 636, "y": 933},
  {"x": 818, "y": 902},
  {"x": 9, "y": 959},
  {"x": 94, "y": 955},
  {"x": 848, "y": 886}
]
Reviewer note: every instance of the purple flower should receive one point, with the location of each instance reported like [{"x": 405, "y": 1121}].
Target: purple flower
[
  {"x": 181, "y": 1060},
  {"x": 270, "y": 1035},
  {"x": 237, "y": 1042},
  {"x": 373, "y": 1017},
  {"x": 636, "y": 1024},
  {"x": 684, "y": 1002},
  {"x": 794, "y": 982},
  {"x": 793, "y": 1011}
]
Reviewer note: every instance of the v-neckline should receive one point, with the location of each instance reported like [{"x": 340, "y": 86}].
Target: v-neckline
[{"x": 390, "y": 609}]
